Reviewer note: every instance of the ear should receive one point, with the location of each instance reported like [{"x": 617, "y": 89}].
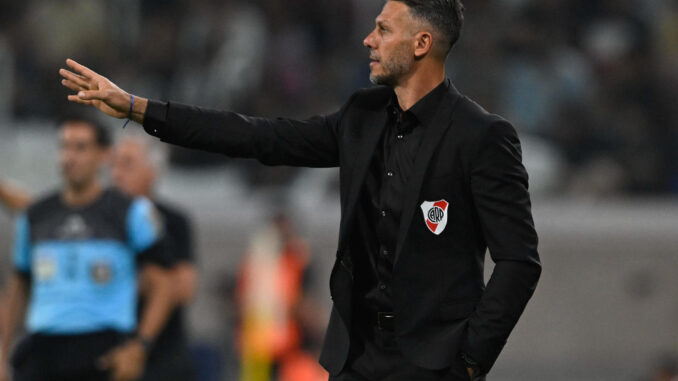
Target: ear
[{"x": 423, "y": 43}]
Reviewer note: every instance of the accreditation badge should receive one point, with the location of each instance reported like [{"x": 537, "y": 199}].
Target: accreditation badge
[
  {"x": 45, "y": 268},
  {"x": 101, "y": 272}
]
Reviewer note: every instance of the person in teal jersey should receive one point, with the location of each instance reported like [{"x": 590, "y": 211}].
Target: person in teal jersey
[{"x": 78, "y": 254}]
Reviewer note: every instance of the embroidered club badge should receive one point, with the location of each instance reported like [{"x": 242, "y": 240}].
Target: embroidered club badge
[{"x": 435, "y": 215}]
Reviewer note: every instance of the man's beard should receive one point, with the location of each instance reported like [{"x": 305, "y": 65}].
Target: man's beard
[{"x": 393, "y": 69}]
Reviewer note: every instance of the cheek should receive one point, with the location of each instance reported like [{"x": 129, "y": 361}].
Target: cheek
[{"x": 403, "y": 51}]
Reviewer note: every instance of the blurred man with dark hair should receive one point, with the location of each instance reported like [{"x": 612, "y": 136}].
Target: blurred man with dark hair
[
  {"x": 76, "y": 256},
  {"x": 428, "y": 181}
]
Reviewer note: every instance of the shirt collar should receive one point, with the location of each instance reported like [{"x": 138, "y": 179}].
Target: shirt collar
[{"x": 425, "y": 108}]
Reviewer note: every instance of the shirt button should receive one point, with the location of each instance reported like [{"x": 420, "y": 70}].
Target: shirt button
[
  {"x": 383, "y": 213},
  {"x": 382, "y": 286},
  {"x": 389, "y": 174}
]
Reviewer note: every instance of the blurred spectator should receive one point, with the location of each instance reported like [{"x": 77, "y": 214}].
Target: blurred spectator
[
  {"x": 278, "y": 323},
  {"x": 137, "y": 164}
]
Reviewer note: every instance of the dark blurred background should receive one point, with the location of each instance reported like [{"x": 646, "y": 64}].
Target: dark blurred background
[
  {"x": 595, "y": 79},
  {"x": 591, "y": 85}
]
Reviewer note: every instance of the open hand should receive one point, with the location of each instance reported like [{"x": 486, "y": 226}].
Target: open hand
[{"x": 96, "y": 90}]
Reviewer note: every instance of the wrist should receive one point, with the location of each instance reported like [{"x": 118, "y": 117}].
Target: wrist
[
  {"x": 139, "y": 109},
  {"x": 145, "y": 342}
]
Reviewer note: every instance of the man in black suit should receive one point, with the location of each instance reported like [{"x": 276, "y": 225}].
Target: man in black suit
[{"x": 429, "y": 181}]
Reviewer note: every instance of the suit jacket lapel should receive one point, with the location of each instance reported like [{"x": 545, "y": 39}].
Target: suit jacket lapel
[
  {"x": 432, "y": 137},
  {"x": 373, "y": 124}
]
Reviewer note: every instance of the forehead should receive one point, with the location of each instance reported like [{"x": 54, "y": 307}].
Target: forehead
[
  {"x": 130, "y": 149},
  {"x": 77, "y": 130},
  {"x": 394, "y": 12}
]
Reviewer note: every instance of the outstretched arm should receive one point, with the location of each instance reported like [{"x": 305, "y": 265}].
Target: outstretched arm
[{"x": 308, "y": 143}]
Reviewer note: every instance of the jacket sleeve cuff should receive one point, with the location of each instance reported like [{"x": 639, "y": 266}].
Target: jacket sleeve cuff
[
  {"x": 155, "y": 118},
  {"x": 480, "y": 362}
]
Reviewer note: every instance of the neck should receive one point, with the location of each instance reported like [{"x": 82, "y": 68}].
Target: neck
[
  {"x": 419, "y": 83},
  {"x": 82, "y": 195}
]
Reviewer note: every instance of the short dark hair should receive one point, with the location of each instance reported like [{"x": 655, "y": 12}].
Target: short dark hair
[
  {"x": 446, "y": 16},
  {"x": 102, "y": 134}
]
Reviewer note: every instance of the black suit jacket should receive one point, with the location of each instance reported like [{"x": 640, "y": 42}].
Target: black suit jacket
[{"x": 468, "y": 157}]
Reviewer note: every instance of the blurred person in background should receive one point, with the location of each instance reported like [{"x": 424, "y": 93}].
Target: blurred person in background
[
  {"x": 136, "y": 165},
  {"x": 77, "y": 253},
  {"x": 410, "y": 301},
  {"x": 273, "y": 305}
]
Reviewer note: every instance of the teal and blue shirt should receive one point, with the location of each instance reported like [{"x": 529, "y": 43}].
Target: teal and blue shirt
[{"x": 82, "y": 262}]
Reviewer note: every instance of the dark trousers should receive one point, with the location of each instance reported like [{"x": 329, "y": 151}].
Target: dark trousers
[
  {"x": 41, "y": 357},
  {"x": 374, "y": 356}
]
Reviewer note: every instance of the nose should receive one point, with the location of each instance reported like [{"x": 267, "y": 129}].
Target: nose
[{"x": 369, "y": 40}]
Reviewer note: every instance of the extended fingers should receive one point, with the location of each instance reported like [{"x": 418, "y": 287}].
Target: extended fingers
[
  {"x": 75, "y": 78},
  {"x": 72, "y": 85},
  {"x": 81, "y": 69},
  {"x": 76, "y": 99},
  {"x": 93, "y": 95}
]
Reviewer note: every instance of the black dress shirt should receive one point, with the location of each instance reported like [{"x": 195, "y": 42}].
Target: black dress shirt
[{"x": 380, "y": 204}]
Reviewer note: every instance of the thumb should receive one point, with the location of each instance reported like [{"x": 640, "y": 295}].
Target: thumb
[{"x": 92, "y": 95}]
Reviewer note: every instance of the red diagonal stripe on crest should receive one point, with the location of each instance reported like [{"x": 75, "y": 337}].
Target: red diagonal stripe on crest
[{"x": 441, "y": 204}]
